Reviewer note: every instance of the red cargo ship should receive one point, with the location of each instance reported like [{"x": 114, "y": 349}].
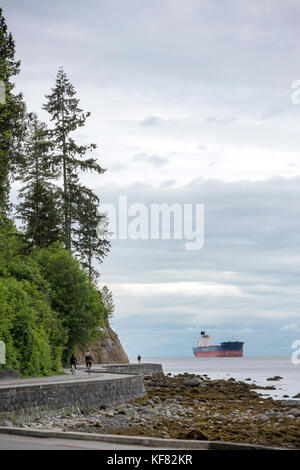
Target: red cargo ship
[{"x": 204, "y": 348}]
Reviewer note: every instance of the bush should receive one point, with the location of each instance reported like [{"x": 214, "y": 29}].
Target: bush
[
  {"x": 76, "y": 301},
  {"x": 32, "y": 331}
]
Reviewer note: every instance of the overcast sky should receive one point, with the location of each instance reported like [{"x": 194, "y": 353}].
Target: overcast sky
[{"x": 191, "y": 103}]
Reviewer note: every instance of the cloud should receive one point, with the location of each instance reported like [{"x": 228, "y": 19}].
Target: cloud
[
  {"x": 204, "y": 68},
  {"x": 151, "y": 121},
  {"x": 154, "y": 160},
  {"x": 189, "y": 289},
  {"x": 290, "y": 327}
]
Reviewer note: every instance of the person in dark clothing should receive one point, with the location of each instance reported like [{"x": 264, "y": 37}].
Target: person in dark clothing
[
  {"x": 88, "y": 360},
  {"x": 139, "y": 359},
  {"x": 73, "y": 361}
]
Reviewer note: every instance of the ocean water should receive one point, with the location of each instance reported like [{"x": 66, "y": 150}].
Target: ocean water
[{"x": 257, "y": 368}]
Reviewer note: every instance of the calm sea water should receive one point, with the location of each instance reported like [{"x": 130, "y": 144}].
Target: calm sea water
[{"x": 257, "y": 368}]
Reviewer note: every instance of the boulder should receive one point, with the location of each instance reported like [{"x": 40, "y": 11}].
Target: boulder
[
  {"x": 194, "y": 382},
  {"x": 291, "y": 403},
  {"x": 294, "y": 412}
]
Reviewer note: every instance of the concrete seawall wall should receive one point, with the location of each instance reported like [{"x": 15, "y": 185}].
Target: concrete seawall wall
[
  {"x": 145, "y": 369},
  {"x": 39, "y": 398}
]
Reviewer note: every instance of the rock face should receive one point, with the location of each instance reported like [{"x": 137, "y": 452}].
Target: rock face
[{"x": 106, "y": 349}]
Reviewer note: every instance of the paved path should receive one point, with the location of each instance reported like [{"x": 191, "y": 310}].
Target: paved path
[
  {"x": 80, "y": 374},
  {"x": 14, "y": 442}
]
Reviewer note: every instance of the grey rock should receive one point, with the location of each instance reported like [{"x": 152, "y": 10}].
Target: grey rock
[
  {"x": 178, "y": 398},
  {"x": 221, "y": 418},
  {"x": 7, "y": 424},
  {"x": 149, "y": 402},
  {"x": 291, "y": 403},
  {"x": 295, "y": 412},
  {"x": 192, "y": 382},
  {"x": 263, "y": 418},
  {"x": 273, "y": 414}
]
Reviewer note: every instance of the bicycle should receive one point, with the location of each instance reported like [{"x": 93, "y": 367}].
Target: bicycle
[{"x": 88, "y": 366}]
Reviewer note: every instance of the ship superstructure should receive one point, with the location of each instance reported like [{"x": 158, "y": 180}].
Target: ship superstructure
[{"x": 204, "y": 348}]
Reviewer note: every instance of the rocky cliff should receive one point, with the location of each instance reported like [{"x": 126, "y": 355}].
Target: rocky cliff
[{"x": 106, "y": 349}]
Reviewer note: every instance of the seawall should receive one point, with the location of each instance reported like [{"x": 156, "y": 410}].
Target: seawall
[
  {"x": 135, "y": 369},
  {"x": 42, "y": 398}
]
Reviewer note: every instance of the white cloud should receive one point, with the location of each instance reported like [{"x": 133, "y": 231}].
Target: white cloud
[
  {"x": 290, "y": 327},
  {"x": 189, "y": 289}
]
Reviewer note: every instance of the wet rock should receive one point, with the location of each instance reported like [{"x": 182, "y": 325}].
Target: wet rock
[
  {"x": 295, "y": 412},
  {"x": 263, "y": 419},
  {"x": 221, "y": 418},
  {"x": 291, "y": 403},
  {"x": 276, "y": 377},
  {"x": 7, "y": 424},
  {"x": 273, "y": 414},
  {"x": 169, "y": 400},
  {"x": 297, "y": 396},
  {"x": 149, "y": 402},
  {"x": 179, "y": 398},
  {"x": 193, "y": 434},
  {"x": 194, "y": 382}
]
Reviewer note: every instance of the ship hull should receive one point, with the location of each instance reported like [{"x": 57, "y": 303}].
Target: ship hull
[
  {"x": 229, "y": 349},
  {"x": 217, "y": 353}
]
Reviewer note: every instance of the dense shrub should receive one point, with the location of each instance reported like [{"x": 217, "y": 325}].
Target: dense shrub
[
  {"x": 47, "y": 304},
  {"x": 72, "y": 295}
]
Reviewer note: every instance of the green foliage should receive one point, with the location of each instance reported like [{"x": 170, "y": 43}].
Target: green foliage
[
  {"x": 32, "y": 331},
  {"x": 11, "y": 114},
  {"x": 69, "y": 157},
  {"x": 88, "y": 243},
  {"x": 40, "y": 199},
  {"x": 72, "y": 295},
  {"x": 48, "y": 303},
  {"x": 108, "y": 302}
]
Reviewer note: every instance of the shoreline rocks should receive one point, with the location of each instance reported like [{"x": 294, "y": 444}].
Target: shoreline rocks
[{"x": 189, "y": 406}]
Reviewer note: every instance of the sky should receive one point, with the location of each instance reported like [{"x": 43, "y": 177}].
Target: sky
[{"x": 191, "y": 102}]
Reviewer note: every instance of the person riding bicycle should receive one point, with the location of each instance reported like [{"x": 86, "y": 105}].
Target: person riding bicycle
[
  {"x": 88, "y": 360},
  {"x": 73, "y": 361}
]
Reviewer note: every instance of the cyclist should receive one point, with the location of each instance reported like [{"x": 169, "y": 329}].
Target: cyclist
[
  {"x": 88, "y": 360},
  {"x": 73, "y": 361}
]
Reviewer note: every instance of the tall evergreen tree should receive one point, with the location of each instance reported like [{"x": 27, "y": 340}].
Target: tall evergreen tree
[
  {"x": 88, "y": 245},
  {"x": 12, "y": 110},
  {"x": 69, "y": 157},
  {"x": 41, "y": 200}
]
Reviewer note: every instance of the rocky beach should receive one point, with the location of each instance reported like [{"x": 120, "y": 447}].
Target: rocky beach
[{"x": 191, "y": 406}]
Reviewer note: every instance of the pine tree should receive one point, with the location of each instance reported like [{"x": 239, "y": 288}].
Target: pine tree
[
  {"x": 63, "y": 107},
  {"x": 87, "y": 242},
  {"x": 12, "y": 110},
  {"x": 108, "y": 302},
  {"x": 41, "y": 200}
]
